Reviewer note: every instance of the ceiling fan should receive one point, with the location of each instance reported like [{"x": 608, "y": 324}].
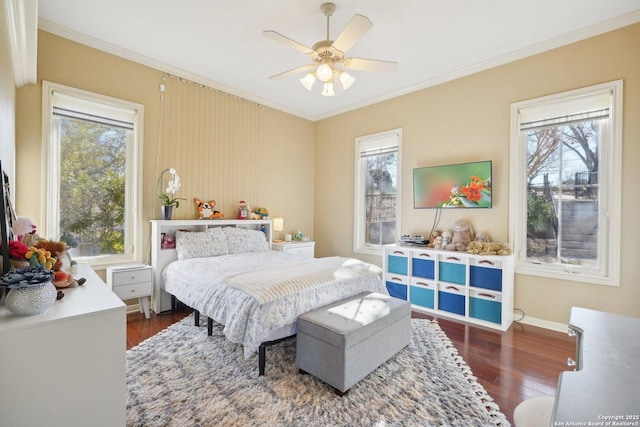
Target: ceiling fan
[{"x": 328, "y": 56}]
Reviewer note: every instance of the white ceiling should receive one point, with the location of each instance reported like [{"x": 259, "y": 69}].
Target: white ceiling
[{"x": 220, "y": 42}]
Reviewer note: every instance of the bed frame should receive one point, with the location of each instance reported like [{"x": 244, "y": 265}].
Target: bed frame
[{"x": 160, "y": 258}]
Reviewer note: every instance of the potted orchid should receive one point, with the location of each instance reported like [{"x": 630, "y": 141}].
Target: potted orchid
[{"x": 168, "y": 199}]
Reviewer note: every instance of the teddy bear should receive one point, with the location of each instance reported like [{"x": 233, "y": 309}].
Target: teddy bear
[
  {"x": 462, "y": 236},
  {"x": 436, "y": 235}
]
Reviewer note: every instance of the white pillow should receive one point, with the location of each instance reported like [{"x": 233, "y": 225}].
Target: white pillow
[
  {"x": 200, "y": 244},
  {"x": 242, "y": 240}
]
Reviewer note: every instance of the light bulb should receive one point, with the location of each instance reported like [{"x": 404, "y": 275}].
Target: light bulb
[
  {"x": 346, "y": 80},
  {"x": 324, "y": 72},
  {"x": 308, "y": 81},
  {"x": 328, "y": 89}
]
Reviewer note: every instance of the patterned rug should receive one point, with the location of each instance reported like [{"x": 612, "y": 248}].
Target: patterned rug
[{"x": 182, "y": 377}]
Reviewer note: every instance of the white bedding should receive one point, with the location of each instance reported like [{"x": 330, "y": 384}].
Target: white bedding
[{"x": 200, "y": 283}]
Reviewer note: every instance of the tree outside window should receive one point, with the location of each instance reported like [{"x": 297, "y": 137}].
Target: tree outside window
[{"x": 377, "y": 217}]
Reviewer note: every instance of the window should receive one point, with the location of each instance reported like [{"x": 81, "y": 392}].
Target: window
[
  {"x": 377, "y": 213},
  {"x": 566, "y": 183},
  {"x": 91, "y": 143}
]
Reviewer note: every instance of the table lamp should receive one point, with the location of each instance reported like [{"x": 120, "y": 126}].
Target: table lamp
[{"x": 278, "y": 226}]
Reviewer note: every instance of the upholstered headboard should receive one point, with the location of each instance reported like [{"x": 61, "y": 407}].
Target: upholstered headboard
[{"x": 162, "y": 256}]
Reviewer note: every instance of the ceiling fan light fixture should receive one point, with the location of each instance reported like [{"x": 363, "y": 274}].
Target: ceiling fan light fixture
[
  {"x": 324, "y": 72},
  {"x": 308, "y": 81},
  {"x": 347, "y": 80},
  {"x": 328, "y": 89}
]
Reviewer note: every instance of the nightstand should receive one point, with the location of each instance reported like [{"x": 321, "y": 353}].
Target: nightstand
[
  {"x": 132, "y": 281},
  {"x": 303, "y": 248}
]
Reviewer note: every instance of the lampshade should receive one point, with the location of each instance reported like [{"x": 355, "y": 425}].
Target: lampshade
[
  {"x": 328, "y": 89},
  {"x": 278, "y": 224},
  {"x": 324, "y": 72},
  {"x": 308, "y": 81},
  {"x": 346, "y": 79}
]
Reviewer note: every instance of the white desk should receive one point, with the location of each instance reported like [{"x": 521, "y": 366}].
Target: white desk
[
  {"x": 67, "y": 366},
  {"x": 606, "y": 382}
]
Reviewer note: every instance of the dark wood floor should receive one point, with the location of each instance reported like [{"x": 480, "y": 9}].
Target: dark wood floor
[{"x": 512, "y": 366}]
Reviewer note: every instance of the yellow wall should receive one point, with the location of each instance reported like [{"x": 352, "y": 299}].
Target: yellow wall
[
  {"x": 286, "y": 143},
  {"x": 468, "y": 119},
  {"x": 307, "y": 169}
]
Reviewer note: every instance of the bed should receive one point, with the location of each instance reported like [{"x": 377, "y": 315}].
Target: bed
[{"x": 226, "y": 271}]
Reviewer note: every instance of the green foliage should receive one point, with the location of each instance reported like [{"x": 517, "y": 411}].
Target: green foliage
[
  {"x": 93, "y": 185},
  {"x": 540, "y": 216},
  {"x": 165, "y": 200}
]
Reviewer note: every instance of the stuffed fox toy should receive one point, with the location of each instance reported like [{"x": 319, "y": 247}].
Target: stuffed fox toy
[{"x": 205, "y": 209}]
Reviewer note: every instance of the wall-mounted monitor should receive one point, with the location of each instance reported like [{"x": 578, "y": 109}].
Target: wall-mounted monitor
[{"x": 462, "y": 185}]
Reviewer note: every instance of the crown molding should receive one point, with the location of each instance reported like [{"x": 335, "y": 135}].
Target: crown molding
[
  {"x": 130, "y": 55},
  {"x": 22, "y": 30},
  {"x": 566, "y": 39},
  {"x": 572, "y": 37}
]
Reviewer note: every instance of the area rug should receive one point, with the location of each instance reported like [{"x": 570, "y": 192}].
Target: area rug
[{"x": 182, "y": 377}]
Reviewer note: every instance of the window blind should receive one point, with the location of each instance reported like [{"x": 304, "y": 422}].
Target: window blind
[
  {"x": 590, "y": 107},
  {"x": 103, "y": 113}
]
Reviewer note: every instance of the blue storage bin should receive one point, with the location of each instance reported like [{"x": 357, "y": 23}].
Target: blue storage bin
[
  {"x": 422, "y": 296},
  {"x": 487, "y": 278},
  {"x": 452, "y": 303},
  {"x": 488, "y": 310},
  {"x": 423, "y": 268},
  {"x": 451, "y": 273},
  {"x": 397, "y": 290},
  {"x": 398, "y": 264}
]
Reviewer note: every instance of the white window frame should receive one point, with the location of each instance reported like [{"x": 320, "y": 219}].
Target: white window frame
[
  {"x": 363, "y": 143},
  {"x": 51, "y": 162},
  {"x": 610, "y": 189}
]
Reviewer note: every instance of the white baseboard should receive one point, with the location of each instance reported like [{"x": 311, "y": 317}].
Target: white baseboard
[
  {"x": 133, "y": 308},
  {"x": 541, "y": 323}
]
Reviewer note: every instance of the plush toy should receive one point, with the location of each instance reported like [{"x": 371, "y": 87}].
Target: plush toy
[
  {"x": 444, "y": 241},
  {"x": 481, "y": 237},
  {"x": 462, "y": 236},
  {"x": 488, "y": 248},
  {"x": 436, "y": 235},
  {"x": 62, "y": 276},
  {"x": 40, "y": 257},
  {"x": 205, "y": 209},
  {"x": 25, "y": 231},
  {"x": 263, "y": 213},
  {"x": 23, "y": 226}
]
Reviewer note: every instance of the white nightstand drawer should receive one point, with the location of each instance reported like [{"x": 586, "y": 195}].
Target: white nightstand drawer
[
  {"x": 296, "y": 248},
  {"x": 126, "y": 277},
  {"x": 300, "y": 250},
  {"x": 134, "y": 290}
]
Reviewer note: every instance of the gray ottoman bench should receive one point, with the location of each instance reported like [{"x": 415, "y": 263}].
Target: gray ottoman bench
[{"x": 343, "y": 342}]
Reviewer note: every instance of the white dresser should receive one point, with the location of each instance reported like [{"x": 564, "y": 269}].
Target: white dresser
[{"x": 66, "y": 367}]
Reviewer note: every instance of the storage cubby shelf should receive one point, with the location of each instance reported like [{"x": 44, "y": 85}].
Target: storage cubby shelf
[{"x": 473, "y": 288}]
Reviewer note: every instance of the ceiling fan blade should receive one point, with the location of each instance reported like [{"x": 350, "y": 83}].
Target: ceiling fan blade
[
  {"x": 292, "y": 72},
  {"x": 289, "y": 42},
  {"x": 355, "y": 29},
  {"x": 369, "y": 65}
]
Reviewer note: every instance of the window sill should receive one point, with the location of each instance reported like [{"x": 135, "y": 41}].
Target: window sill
[{"x": 567, "y": 275}]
